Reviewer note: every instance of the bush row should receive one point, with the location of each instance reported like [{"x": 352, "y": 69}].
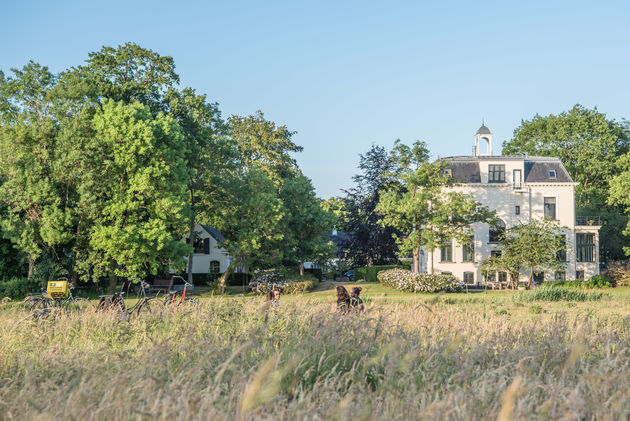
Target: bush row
[
  {"x": 370, "y": 273},
  {"x": 267, "y": 280},
  {"x": 405, "y": 280}
]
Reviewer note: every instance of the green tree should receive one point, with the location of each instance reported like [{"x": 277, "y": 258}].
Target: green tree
[
  {"x": 264, "y": 145},
  {"x": 138, "y": 180},
  {"x": 306, "y": 221},
  {"x": 209, "y": 154},
  {"x": 589, "y": 146},
  {"x": 425, "y": 212},
  {"x": 534, "y": 246},
  {"x": 619, "y": 196},
  {"x": 250, "y": 219},
  {"x": 37, "y": 215}
]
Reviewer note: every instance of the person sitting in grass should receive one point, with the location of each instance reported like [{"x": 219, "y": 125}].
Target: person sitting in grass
[
  {"x": 343, "y": 299},
  {"x": 355, "y": 301},
  {"x": 273, "y": 297}
]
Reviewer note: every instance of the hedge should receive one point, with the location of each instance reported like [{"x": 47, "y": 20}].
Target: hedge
[
  {"x": 370, "y": 273},
  {"x": 405, "y": 280},
  {"x": 16, "y": 288}
]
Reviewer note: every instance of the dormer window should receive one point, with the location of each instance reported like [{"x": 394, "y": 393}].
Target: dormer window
[
  {"x": 552, "y": 174},
  {"x": 496, "y": 173}
]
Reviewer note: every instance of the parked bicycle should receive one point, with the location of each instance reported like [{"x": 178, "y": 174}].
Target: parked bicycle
[
  {"x": 174, "y": 299},
  {"x": 56, "y": 297},
  {"x": 144, "y": 304}
]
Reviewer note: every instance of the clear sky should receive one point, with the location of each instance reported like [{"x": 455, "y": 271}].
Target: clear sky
[{"x": 347, "y": 74}]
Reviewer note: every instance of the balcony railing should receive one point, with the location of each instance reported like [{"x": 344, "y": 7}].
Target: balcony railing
[{"x": 587, "y": 220}]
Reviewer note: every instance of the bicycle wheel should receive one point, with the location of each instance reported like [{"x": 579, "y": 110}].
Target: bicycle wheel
[
  {"x": 34, "y": 302},
  {"x": 190, "y": 303},
  {"x": 151, "y": 306},
  {"x": 83, "y": 304},
  {"x": 112, "y": 303}
]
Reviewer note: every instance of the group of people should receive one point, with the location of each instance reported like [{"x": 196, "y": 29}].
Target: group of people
[{"x": 345, "y": 301}]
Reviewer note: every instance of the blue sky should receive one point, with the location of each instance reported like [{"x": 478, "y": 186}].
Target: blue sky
[{"x": 345, "y": 75}]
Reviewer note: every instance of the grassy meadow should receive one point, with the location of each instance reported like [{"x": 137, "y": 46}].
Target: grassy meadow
[{"x": 451, "y": 356}]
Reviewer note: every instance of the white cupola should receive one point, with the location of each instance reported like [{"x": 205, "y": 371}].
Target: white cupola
[{"x": 483, "y": 133}]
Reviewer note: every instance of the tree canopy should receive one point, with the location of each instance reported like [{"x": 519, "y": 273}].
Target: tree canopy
[{"x": 106, "y": 166}]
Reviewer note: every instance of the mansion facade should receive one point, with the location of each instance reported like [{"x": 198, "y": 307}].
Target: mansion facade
[{"x": 518, "y": 188}]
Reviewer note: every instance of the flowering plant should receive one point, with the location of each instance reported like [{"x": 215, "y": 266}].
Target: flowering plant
[{"x": 404, "y": 280}]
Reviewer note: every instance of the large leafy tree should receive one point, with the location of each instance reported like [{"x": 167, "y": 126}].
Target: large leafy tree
[
  {"x": 264, "y": 145},
  {"x": 371, "y": 243},
  {"x": 589, "y": 145},
  {"x": 139, "y": 181},
  {"x": 425, "y": 212},
  {"x": 209, "y": 155},
  {"x": 38, "y": 213},
  {"x": 306, "y": 222}
]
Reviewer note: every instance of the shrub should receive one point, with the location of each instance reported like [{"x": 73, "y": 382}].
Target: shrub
[
  {"x": 370, "y": 273},
  {"x": 17, "y": 288},
  {"x": 405, "y": 280},
  {"x": 619, "y": 273},
  {"x": 559, "y": 294},
  {"x": 599, "y": 281},
  {"x": 300, "y": 285},
  {"x": 270, "y": 279}
]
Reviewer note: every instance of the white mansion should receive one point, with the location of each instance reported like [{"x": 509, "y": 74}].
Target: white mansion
[{"x": 519, "y": 188}]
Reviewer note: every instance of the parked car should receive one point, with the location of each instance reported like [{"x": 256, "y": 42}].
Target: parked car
[{"x": 350, "y": 275}]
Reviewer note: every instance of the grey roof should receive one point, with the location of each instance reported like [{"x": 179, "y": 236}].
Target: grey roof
[
  {"x": 483, "y": 130},
  {"x": 465, "y": 172},
  {"x": 537, "y": 172},
  {"x": 465, "y": 169},
  {"x": 214, "y": 233}
]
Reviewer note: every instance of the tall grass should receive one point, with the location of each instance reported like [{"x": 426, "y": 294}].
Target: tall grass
[
  {"x": 239, "y": 359},
  {"x": 559, "y": 294}
]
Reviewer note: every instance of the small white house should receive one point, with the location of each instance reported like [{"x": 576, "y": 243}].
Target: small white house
[{"x": 208, "y": 256}]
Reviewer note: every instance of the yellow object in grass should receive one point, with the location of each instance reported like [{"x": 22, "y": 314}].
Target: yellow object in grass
[{"x": 58, "y": 290}]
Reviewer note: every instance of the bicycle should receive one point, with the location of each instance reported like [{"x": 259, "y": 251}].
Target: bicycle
[
  {"x": 143, "y": 305},
  {"x": 171, "y": 299},
  {"x": 58, "y": 296}
]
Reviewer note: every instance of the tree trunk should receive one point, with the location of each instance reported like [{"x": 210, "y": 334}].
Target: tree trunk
[
  {"x": 301, "y": 268},
  {"x": 113, "y": 279},
  {"x": 191, "y": 233},
  {"x": 225, "y": 275},
  {"x": 531, "y": 276},
  {"x": 31, "y": 266},
  {"x": 416, "y": 260},
  {"x": 191, "y": 239}
]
